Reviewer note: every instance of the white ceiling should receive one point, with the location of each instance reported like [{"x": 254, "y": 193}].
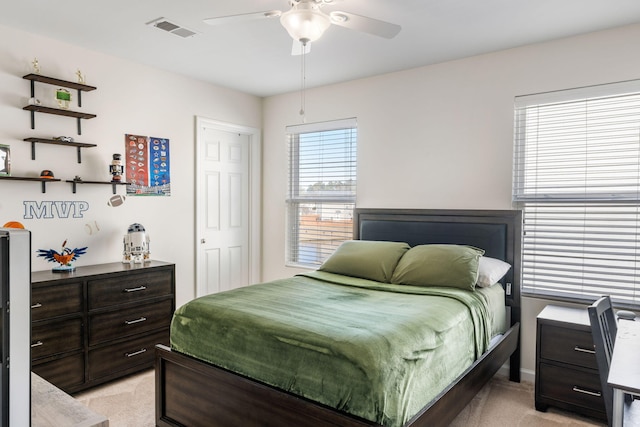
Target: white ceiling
[{"x": 255, "y": 56}]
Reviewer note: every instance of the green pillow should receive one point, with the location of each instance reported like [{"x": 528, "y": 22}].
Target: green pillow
[
  {"x": 372, "y": 260},
  {"x": 439, "y": 265}
]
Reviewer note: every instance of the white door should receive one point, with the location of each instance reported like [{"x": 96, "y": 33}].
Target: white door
[{"x": 223, "y": 206}]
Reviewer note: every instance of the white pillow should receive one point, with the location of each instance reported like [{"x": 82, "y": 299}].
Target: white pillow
[{"x": 490, "y": 271}]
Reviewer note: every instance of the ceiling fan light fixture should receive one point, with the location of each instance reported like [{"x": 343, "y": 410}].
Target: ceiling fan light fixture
[{"x": 304, "y": 22}]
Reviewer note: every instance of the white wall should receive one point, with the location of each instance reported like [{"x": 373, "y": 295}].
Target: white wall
[
  {"x": 130, "y": 98},
  {"x": 440, "y": 136},
  {"x": 431, "y": 137}
]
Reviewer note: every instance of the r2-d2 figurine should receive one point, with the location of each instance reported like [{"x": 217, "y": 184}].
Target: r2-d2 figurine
[{"x": 136, "y": 245}]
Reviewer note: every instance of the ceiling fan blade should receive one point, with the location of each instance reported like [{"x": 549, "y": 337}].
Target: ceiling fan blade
[
  {"x": 365, "y": 24},
  {"x": 298, "y": 48},
  {"x": 222, "y": 20}
]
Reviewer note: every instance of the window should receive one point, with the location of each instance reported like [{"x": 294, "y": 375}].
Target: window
[
  {"x": 322, "y": 189},
  {"x": 577, "y": 180}
]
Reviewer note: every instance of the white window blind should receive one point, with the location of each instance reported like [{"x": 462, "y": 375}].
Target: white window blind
[
  {"x": 321, "y": 190},
  {"x": 577, "y": 180}
]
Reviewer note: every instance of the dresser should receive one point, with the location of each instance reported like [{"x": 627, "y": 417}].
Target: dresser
[
  {"x": 566, "y": 368},
  {"x": 99, "y": 322}
]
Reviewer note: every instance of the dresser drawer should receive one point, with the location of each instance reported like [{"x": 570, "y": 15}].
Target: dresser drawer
[
  {"x": 567, "y": 345},
  {"x": 133, "y": 353},
  {"x": 52, "y": 301},
  {"x": 49, "y": 338},
  {"x": 130, "y": 321},
  {"x": 129, "y": 288},
  {"x": 574, "y": 387},
  {"x": 66, "y": 373}
]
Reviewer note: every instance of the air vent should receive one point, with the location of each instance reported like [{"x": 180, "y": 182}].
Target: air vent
[{"x": 171, "y": 27}]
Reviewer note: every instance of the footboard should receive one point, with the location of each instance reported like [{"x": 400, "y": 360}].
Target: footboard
[{"x": 193, "y": 393}]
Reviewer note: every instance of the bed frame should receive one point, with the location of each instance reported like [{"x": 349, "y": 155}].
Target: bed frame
[{"x": 193, "y": 393}]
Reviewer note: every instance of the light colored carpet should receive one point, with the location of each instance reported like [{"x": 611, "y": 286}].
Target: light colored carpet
[
  {"x": 130, "y": 403},
  {"x": 502, "y": 403}
]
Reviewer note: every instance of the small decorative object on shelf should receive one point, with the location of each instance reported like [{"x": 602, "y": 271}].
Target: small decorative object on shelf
[
  {"x": 36, "y": 66},
  {"x": 5, "y": 160},
  {"x": 80, "y": 77},
  {"x": 136, "y": 245},
  {"x": 63, "y": 96},
  {"x": 64, "y": 258},
  {"x": 63, "y": 138},
  {"x": 116, "y": 168},
  {"x": 34, "y": 101},
  {"x": 46, "y": 174}
]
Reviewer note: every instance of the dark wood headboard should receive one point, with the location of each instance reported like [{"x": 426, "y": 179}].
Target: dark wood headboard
[{"x": 498, "y": 232}]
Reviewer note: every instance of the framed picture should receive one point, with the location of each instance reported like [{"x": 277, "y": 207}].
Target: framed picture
[
  {"x": 63, "y": 96},
  {"x": 5, "y": 160}
]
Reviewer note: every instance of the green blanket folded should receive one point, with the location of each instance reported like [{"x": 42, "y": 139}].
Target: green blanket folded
[{"x": 375, "y": 350}]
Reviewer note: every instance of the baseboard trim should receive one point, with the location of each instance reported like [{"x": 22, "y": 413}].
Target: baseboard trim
[{"x": 526, "y": 375}]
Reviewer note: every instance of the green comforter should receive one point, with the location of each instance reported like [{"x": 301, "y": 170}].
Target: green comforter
[{"x": 374, "y": 350}]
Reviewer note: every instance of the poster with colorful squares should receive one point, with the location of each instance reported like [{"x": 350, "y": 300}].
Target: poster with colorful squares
[
  {"x": 159, "y": 170},
  {"x": 147, "y": 166}
]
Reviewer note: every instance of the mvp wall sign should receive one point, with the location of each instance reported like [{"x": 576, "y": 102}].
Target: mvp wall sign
[{"x": 54, "y": 209}]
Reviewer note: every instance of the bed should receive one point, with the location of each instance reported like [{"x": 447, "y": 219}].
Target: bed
[{"x": 191, "y": 391}]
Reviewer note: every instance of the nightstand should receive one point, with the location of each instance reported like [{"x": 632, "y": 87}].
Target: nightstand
[{"x": 566, "y": 369}]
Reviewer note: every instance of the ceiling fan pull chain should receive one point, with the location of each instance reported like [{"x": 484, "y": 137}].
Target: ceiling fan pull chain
[{"x": 303, "y": 82}]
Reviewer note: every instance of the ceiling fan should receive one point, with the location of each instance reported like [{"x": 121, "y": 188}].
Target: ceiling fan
[{"x": 306, "y": 22}]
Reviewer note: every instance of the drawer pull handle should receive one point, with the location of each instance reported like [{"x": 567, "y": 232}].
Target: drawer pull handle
[
  {"x": 131, "y": 322},
  {"x": 139, "y": 288},
  {"x": 36, "y": 305},
  {"x": 135, "y": 353},
  {"x": 37, "y": 344},
  {"x": 583, "y": 391},
  {"x": 584, "y": 350}
]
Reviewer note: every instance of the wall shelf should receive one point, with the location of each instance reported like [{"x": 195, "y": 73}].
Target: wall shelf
[
  {"x": 44, "y": 181},
  {"x": 74, "y": 182},
  {"x": 80, "y": 87},
  {"x": 57, "y": 82},
  {"x": 78, "y": 145},
  {"x": 114, "y": 185},
  {"x": 58, "y": 111}
]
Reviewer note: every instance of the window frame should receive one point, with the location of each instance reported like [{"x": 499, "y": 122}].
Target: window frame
[
  {"x": 296, "y": 202},
  {"x": 606, "y": 198}
]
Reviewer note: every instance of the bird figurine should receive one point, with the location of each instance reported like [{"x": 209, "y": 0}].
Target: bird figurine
[{"x": 64, "y": 258}]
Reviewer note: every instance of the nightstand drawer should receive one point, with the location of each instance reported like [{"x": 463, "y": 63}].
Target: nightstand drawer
[
  {"x": 570, "y": 386},
  {"x": 52, "y": 338},
  {"x": 129, "y": 289},
  {"x": 52, "y": 301},
  {"x": 567, "y": 345},
  {"x": 130, "y": 321},
  {"x": 125, "y": 355}
]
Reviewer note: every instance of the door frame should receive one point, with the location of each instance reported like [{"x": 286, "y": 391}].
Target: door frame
[{"x": 255, "y": 196}]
